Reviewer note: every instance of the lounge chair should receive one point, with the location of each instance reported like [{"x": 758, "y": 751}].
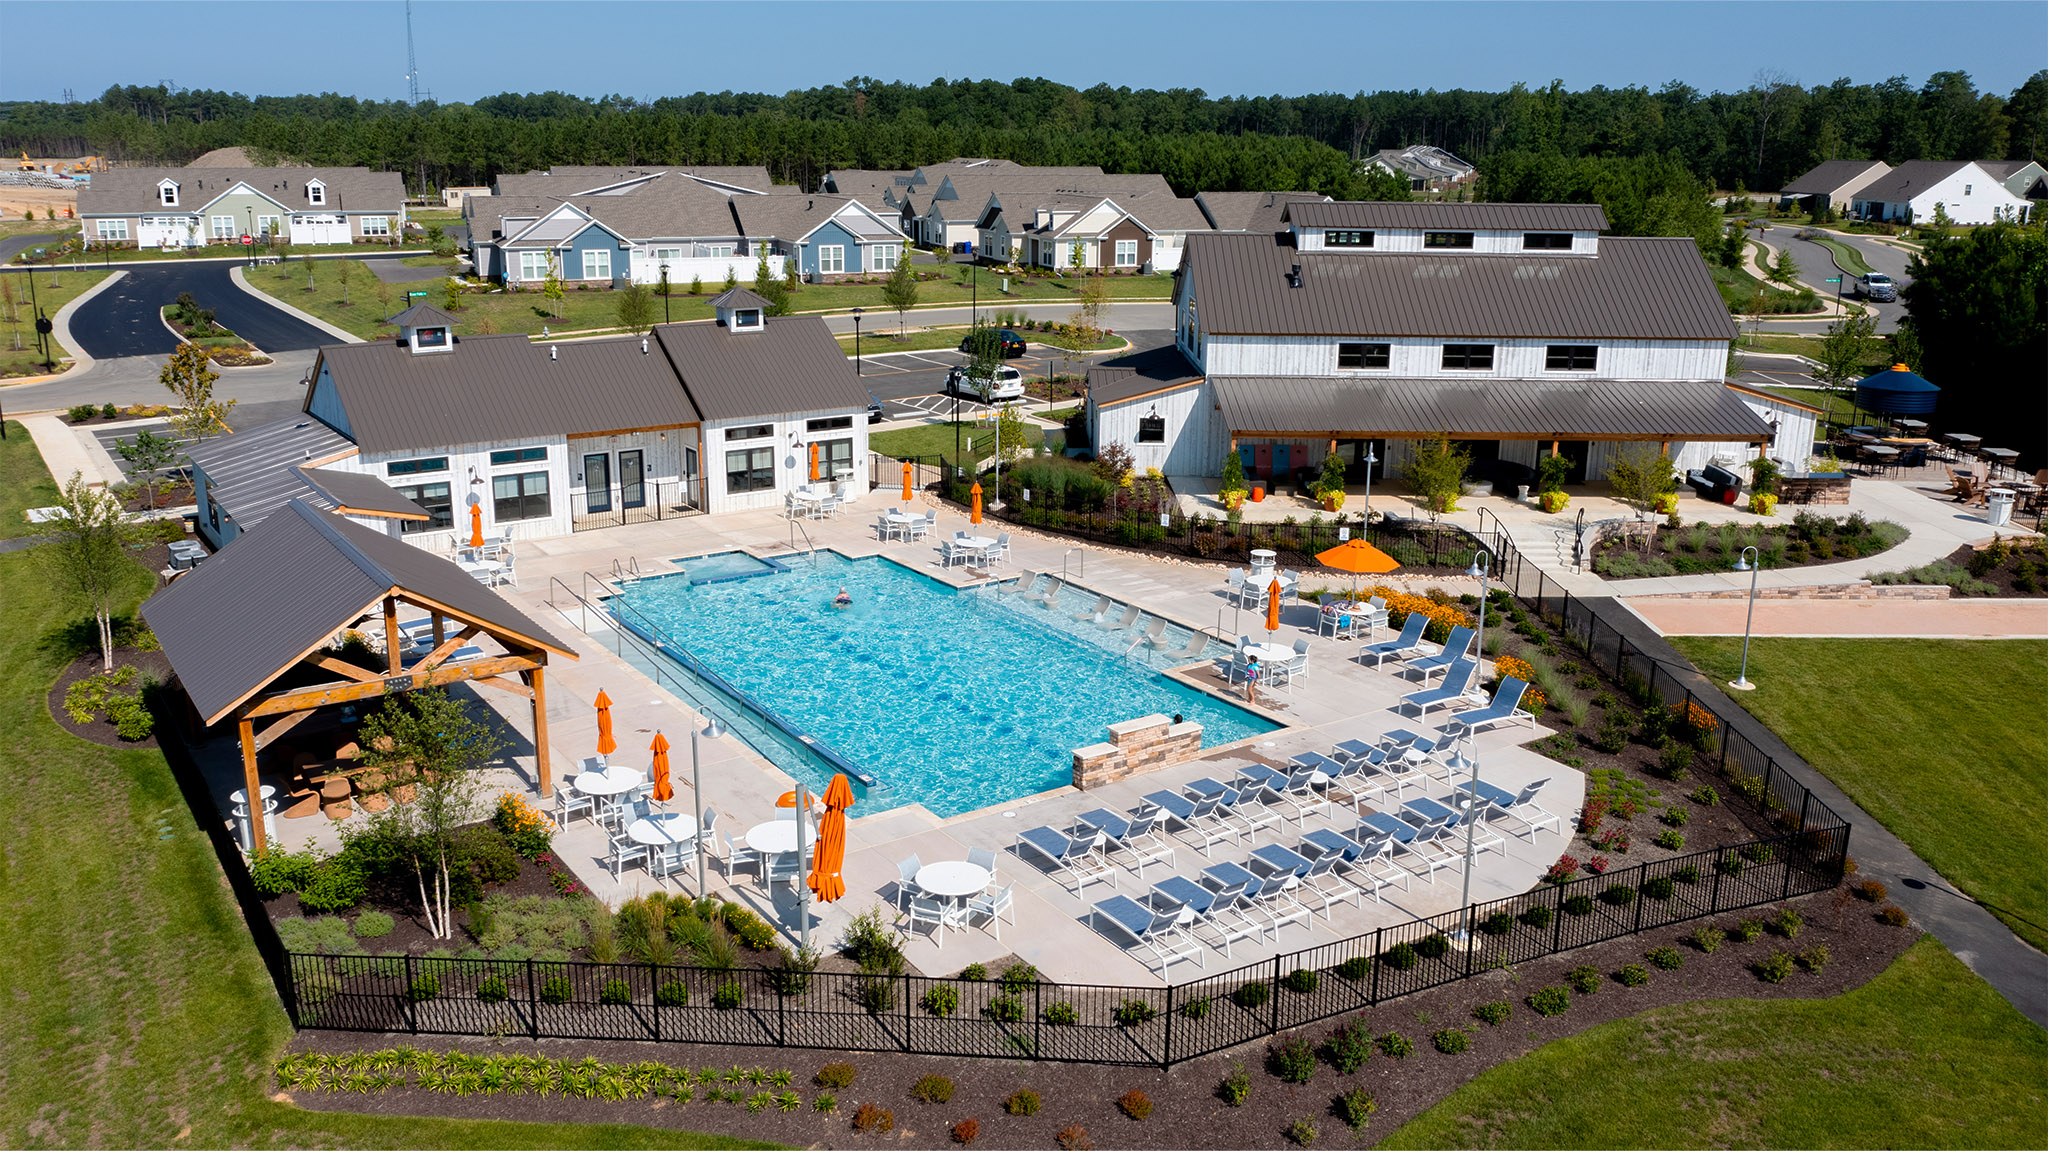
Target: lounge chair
[
  {"x": 1134, "y": 840},
  {"x": 1457, "y": 647},
  {"x": 1074, "y": 859},
  {"x": 1130, "y": 617},
  {"x": 1215, "y": 908},
  {"x": 1524, "y": 809},
  {"x": 1243, "y": 809},
  {"x": 1429, "y": 851},
  {"x": 1153, "y": 631},
  {"x": 1408, "y": 642},
  {"x": 1050, "y": 597},
  {"x": 1198, "y": 643},
  {"x": 1143, "y": 927},
  {"x": 1321, "y": 886},
  {"x": 1457, "y": 687},
  {"x": 1199, "y": 822},
  {"x": 1021, "y": 584},
  {"x": 1373, "y": 868},
  {"x": 1504, "y": 709},
  {"x": 1100, "y": 609}
]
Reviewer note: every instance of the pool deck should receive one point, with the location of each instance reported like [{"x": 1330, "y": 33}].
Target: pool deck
[{"x": 1339, "y": 699}]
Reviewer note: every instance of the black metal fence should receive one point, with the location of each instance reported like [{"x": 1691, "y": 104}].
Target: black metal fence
[{"x": 636, "y": 504}]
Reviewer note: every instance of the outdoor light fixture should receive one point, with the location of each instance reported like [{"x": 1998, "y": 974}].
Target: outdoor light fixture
[
  {"x": 712, "y": 730},
  {"x": 1368, "y": 461},
  {"x": 1743, "y": 563}
]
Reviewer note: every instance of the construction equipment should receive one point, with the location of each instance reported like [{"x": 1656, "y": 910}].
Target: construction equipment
[{"x": 27, "y": 165}]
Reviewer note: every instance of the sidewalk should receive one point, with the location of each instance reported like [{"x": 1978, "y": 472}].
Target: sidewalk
[
  {"x": 67, "y": 450},
  {"x": 1868, "y": 619}
]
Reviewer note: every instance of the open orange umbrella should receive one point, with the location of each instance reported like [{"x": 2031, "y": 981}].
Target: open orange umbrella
[
  {"x": 906, "y": 479},
  {"x": 1357, "y": 557},
  {"x": 976, "y": 517},
  {"x": 1273, "y": 606},
  {"x": 476, "y": 525},
  {"x": 605, "y": 743},
  {"x": 662, "y": 791},
  {"x": 814, "y": 463},
  {"x": 830, "y": 856}
]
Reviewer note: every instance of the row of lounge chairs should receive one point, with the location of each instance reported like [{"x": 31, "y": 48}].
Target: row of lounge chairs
[{"x": 1148, "y": 634}]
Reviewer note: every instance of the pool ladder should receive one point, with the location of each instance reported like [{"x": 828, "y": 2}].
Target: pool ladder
[
  {"x": 810, "y": 549},
  {"x": 627, "y": 574}
]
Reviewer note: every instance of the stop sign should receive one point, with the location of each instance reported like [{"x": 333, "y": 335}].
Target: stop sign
[{"x": 247, "y": 239}]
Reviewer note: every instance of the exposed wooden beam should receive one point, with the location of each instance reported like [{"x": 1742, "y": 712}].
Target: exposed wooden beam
[
  {"x": 276, "y": 731},
  {"x": 344, "y": 693},
  {"x": 343, "y": 668},
  {"x": 250, "y": 790},
  {"x": 503, "y": 684},
  {"x": 513, "y": 641},
  {"x": 441, "y": 649}
]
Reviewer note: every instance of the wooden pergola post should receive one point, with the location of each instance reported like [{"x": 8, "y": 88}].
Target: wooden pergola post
[
  {"x": 391, "y": 651},
  {"x": 250, "y": 790},
  {"x": 540, "y": 732}
]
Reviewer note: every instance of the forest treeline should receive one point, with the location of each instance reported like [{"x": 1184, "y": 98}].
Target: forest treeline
[{"x": 1756, "y": 138}]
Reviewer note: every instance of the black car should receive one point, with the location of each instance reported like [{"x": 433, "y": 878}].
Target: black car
[
  {"x": 1012, "y": 343},
  {"x": 874, "y": 409}
]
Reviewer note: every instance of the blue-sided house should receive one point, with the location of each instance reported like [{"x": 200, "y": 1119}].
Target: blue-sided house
[
  {"x": 568, "y": 241},
  {"x": 829, "y": 237}
]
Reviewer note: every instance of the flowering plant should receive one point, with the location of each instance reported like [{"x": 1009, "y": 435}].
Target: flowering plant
[
  {"x": 1563, "y": 869},
  {"x": 1507, "y": 665},
  {"x": 1597, "y": 865},
  {"x": 1701, "y": 721},
  {"x": 525, "y": 826},
  {"x": 1591, "y": 815},
  {"x": 1442, "y": 616},
  {"x": 1614, "y": 839}
]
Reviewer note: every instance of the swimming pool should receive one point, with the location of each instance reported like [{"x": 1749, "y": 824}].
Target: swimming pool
[{"x": 947, "y": 697}]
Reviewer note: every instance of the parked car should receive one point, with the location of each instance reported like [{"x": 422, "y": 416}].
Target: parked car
[
  {"x": 1007, "y": 385},
  {"x": 1012, "y": 343},
  {"x": 874, "y": 409},
  {"x": 1877, "y": 287}
]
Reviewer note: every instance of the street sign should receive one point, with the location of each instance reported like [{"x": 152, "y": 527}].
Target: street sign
[
  {"x": 415, "y": 295},
  {"x": 1834, "y": 279},
  {"x": 247, "y": 238}
]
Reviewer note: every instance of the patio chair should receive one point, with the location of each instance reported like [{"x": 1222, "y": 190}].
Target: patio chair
[
  {"x": 883, "y": 528},
  {"x": 1151, "y": 634},
  {"x": 569, "y": 801},
  {"x": 1525, "y": 810},
  {"x": 994, "y": 905},
  {"x": 1143, "y": 927},
  {"x": 1068, "y": 857},
  {"x": 666, "y": 861},
  {"x": 1456, "y": 688},
  {"x": 938, "y": 916},
  {"x": 738, "y": 856},
  {"x": 787, "y": 865},
  {"x": 1138, "y": 844},
  {"x": 983, "y": 858},
  {"x": 1198, "y": 822},
  {"x": 1234, "y": 585},
  {"x": 1429, "y": 852},
  {"x": 625, "y": 851},
  {"x": 1322, "y": 887},
  {"x": 1130, "y": 617},
  {"x": 906, "y": 879},
  {"x": 922, "y": 529},
  {"x": 1296, "y": 667},
  {"x": 1457, "y": 647},
  {"x": 1100, "y": 609},
  {"x": 1409, "y": 641},
  {"x": 1049, "y": 599},
  {"x": 1373, "y": 869},
  {"x": 1290, "y": 586},
  {"x": 1002, "y": 548},
  {"x": 1021, "y": 584},
  {"x": 1504, "y": 709}
]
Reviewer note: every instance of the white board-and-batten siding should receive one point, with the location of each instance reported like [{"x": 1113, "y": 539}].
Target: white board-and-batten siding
[
  {"x": 1419, "y": 357},
  {"x": 1195, "y": 439},
  {"x": 791, "y": 443},
  {"x": 1496, "y": 242}
]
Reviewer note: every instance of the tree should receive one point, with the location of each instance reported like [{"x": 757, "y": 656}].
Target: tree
[
  {"x": 1094, "y": 299},
  {"x": 343, "y": 269},
  {"x": 696, "y": 285},
  {"x": 1077, "y": 257},
  {"x": 732, "y": 279},
  {"x": 636, "y": 307},
  {"x": 199, "y": 415},
  {"x": 1979, "y": 310},
  {"x": 790, "y": 281},
  {"x": 383, "y": 298},
  {"x": 899, "y": 291},
  {"x": 1639, "y": 474},
  {"x": 1381, "y": 184},
  {"x": 1846, "y": 350},
  {"x": 551, "y": 287},
  {"x": 84, "y": 555},
  {"x": 769, "y": 286},
  {"x": 427, "y": 741},
  {"x": 147, "y": 454},
  {"x": 1436, "y": 473},
  {"x": 307, "y": 260},
  {"x": 1013, "y": 435}
]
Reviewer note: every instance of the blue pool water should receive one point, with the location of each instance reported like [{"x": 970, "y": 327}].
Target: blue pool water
[{"x": 951, "y": 699}]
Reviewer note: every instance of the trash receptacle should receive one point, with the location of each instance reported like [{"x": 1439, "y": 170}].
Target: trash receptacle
[{"x": 1998, "y": 505}]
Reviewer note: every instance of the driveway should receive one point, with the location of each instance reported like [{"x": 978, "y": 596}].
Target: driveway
[
  {"x": 123, "y": 320},
  {"x": 1816, "y": 264},
  {"x": 11, "y": 245},
  {"x": 904, "y": 381}
]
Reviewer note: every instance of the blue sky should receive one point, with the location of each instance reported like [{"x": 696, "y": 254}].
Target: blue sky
[{"x": 472, "y": 49}]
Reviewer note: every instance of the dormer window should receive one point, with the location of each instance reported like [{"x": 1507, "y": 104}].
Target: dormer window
[
  {"x": 167, "y": 194},
  {"x": 1447, "y": 239},
  {"x": 1333, "y": 238},
  {"x": 316, "y": 192},
  {"x": 746, "y": 318},
  {"x": 1546, "y": 241}
]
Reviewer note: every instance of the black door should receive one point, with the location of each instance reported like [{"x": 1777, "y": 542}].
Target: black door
[
  {"x": 632, "y": 480},
  {"x": 597, "y": 482},
  {"x": 1574, "y": 451}
]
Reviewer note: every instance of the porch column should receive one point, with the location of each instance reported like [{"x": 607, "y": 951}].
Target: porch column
[
  {"x": 391, "y": 633},
  {"x": 250, "y": 790},
  {"x": 540, "y": 732}
]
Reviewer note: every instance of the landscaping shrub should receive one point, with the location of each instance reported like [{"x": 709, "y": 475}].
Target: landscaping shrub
[
  {"x": 826, "y": 1103},
  {"x": 1632, "y": 975},
  {"x": 1499, "y": 923},
  {"x": 615, "y": 993},
  {"x": 728, "y": 995},
  {"x": 337, "y": 885},
  {"x": 372, "y": 925},
  {"x": 1673, "y": 764},
  {"x": 1395, "y": 1045},
  {"x": 1788, "y": 923},
  {"x": 1747, "y": 930},
  {"x": 1670, "y": 840},
  {"x": 1585, "y": 979},
  {"x": 1133, "y": 1013},
  {"x": 1673, "y": 817},
  {"x": 1063, "y": 1015},
  {"x": 1565, "y": 867},
  {"x": 1236, "y": 1086},
  {"x": 1451, "y": 1040},
  {"x": 1292, "y": 1061},
  {"x": 1493, "y": 1014},
  {"x": 1005, "y": 1009},
  {"x": 966, "y": 1131},
  {"x": 838, "y": 1076},
  {"x": 1776, "y": 968},
  {"x": 1537, "y": 916},
  {"x": 1073, "y": 1137},
  {"x": 424, "y": 987},
  {"x": 1250, "y": 995},
  {"x": 751, "y": 930},
  {"x": 1687, "y": 874},
  {"x": 941, "y": 1000},
  {"x": 672, "y": 994},
  {"x": 1871, "y": 890},
  {"x": 1400, "y": 957},
  {"x": 974, "y": 971},
  {"x": 1550, "y": 1001},
  {"x": 557, "y": 991},
  {"x": 1024, "y": 1101},
  {"x": 1196, "y": 1008},
  {"x": 1300, "y": 980},
  {"x": 275, "y": 871},
  {"x": 1303, "y": 1132},
  {"x": 1019, "y": 977},
  {"x": 1658, "y": 887},
  {"x": 1665, "y": 958},
  {"x": 1707, "y": 938},
  {"x": 932, "y": 1089},
  {"x": 1578, "y": 905},
  {"x": 1704, "y": 795},
  {"x": 869, "y": 1119},
  {"x": 1349, "y": 1047},
  {"x": 1618, "y": 895},
  {"x": 1355, "y": 968},
  {"x": 1135, "y": 1104},
  {"x": 1355, "y": 1107},
  {"x": 1893, "y": 917},
  {"x": 492, "y": 990},
  {"x": 1432, "y": 946}
]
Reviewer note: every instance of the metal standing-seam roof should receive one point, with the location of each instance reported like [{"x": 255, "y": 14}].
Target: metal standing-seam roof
[
  {"x": 1635, "y": 289},
  {"x": 251, "y": 612},
  {"x": 360, "y": 494},
  {"x": 791, "y": 365},
  {"x": 502, "y": 387},
  {"x": 249, "y": 473},
  {"x": 1489, "y": 409},
  {"x": 1140, "y": 374},
  {"x": 1436, "y": 214}
]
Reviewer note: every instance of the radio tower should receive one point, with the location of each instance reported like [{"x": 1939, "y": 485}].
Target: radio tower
[{"x": 412, "y": 67}]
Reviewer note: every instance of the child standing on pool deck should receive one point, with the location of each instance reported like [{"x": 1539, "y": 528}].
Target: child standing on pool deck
[{"x": 1251, "y": 676}]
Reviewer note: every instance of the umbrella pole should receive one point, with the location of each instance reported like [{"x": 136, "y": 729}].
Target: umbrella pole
[{"x": 803, "y": 889}]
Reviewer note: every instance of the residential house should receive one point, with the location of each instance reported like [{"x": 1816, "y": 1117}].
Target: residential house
[
  {"x": 829, "y": 237},
  {"x": 1426, "y": 167},
  {"x": 1141, "y": 231},
  {"x": 1262, "y": 212},
  {"x": 1968, "y": 192},
  {"x": 2023, "y": 178},
  {"x": 609, "y": 237},
  {"x": 739, "y": 180},
  {"x": 1837, "y": 180},
  {"x": 190, "y": 207},
  {"x": 1516, "y": 329}
]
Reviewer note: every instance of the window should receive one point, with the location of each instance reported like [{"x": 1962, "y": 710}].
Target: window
[
  {"x": 113, "y": 229},
  {"x": 749, "y": 432},
  {"x": 434, "y": 499},
  {"x": 1447, "y": 239},
  {"x": 1570, "y": 357},
  {"x": 1362, "y": 356},
  {"x": 835, "y": 458},
  {"x": 533, "y": 265},
  {"x": 167, "y": 194},
  {"x": 746, "y": 318},
  {"x": 1967, "y": 187},
  {"x": 717, "y": 251},
  {"x": 1151, "y": 429},
  {"x": 268, "y": 225},
  {"x": 415, "y": 467},
  {"x": 1347, "y": 239},
  {"x": 831, "y": 424},
  {"x": 1468, "y": 357},
  {"x": 376, "y": 225},
  {"x": 519, "y": 497},
  {"x": 1126, "y": 253},
  {"x": 316, "y": 192},
  {"x": 750, "y": 470},
  {"x": 597, "y": 263},
  {"x": 518, "y": 456},
  {"x": 1546, "y": 241},
  {"x": 224, "y": 228},
  {"x": 831, "y": 258},
  {"x": 666, "y": 255},
  {"x": 884, "y": 257}
]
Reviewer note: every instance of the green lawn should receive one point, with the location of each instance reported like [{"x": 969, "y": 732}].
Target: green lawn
[
  {"x": 1925, "y": 1055},
  {"x": 138, "y": 1013},
  {"x": 1846, "y": 257},
  {"x": 24, "y": 482},
  {"x": 69, "y": 285},
  {"x": 929, "y": 440},
  {"x": 1939, "y": 739},
  {"x": 1777, "y": 342}
]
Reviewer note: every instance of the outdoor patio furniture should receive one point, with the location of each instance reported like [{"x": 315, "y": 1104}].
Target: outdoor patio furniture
[
  {"x": 738, "y": 856},
  {"x": 937, "y": 915},
  {"x": 1022, "y": 583},
  {"x": 626, "y": 851},
  {"x": 1151, "y": 633},
  {"x": 569, "y": 801},
  {"x": 993, "y": 905},
  {"x": 667, "y": 861},
  {"x": 783, "y": 865},
  {"x": 1130, "y": 617},
  {"x": 983, "y": 858},
  {"x": 1523, "y": 808},
  {"x": 1142, "y": 927},
  {"x": 1409, "y": 641},
  {"x": 1458, "y": 646},
  {"x": 1096, "y": 613},
  {"x": 1246, "y": 811},
  {"x": 1457, "y": 686},
  {"x": 1504, "y": 709},
  {"x": 1067, "y": 857},
  {"x": 1427, "y": 853},
  {"x": 1197, "y": 644},
  {"x": 906, "y": 879},
  {"x": 1373, "y": 868},
  {"x": 1321, "y": 887},
  {"x": 1050, "y": 598},
  {"x": 1198, "y": 822},
  {"x": 1002, "y": 550},
  {"x": 1135, "y": 840}
]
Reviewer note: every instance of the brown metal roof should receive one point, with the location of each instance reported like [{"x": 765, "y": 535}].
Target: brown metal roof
[
  {"x": 422, "y": 316},
  {"x": 1139, "y": 374},
  {"x": 1835, "y": 177},
  {"x": 1436, "y": 214},
  {"x": 1640, "y": 289},
  {"x": 360, "y": 494},
  {"x": 252, "y": 611},
  {"x": 1489, "y": 409},
  {"x": 496, "y": 388},
  {"x": 791, "y": 365},
  {"x": 248, "y": 473}
]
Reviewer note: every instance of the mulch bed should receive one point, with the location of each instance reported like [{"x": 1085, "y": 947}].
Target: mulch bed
[
  {"x": 177, "y": 495},
  {"x": 1187, "y": 1111},
  {"x": 2003, "y": 576},
  {"x": 150, "y": 664}
]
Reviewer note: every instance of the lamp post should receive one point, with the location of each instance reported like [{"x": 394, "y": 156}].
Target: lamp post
[
  {"x": 1482, "y": 563},
  {"x": 1369, "y": 461},
  {"x": 664, "y": 292},
  {"x": 249, "y": 250},
  {"x": 714, "y": 730},
  {"x": 1744, "y": 563},
  {"x": 856, "y": 341},
  {"x": 803, "y": 887}
]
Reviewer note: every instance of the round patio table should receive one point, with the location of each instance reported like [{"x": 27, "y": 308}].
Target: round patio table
[
  {"x": 614, "y": 780},
  {"x": 952, "y": 879},
  {"x": 668, "y": 829},
  {"x": 777, "y": 837}
]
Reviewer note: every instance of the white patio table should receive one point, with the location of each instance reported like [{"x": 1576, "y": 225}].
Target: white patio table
[{"x": 952, "y": 878}]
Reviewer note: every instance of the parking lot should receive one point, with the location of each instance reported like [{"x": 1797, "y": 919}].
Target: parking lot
[{"x": 912, "y": 385}]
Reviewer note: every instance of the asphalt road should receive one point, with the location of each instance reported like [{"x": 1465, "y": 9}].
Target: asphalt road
[
  {"x": 11, "y": 245},
  {"x": 123, "y": 320},
  {"x": 1816, "y": 264}
]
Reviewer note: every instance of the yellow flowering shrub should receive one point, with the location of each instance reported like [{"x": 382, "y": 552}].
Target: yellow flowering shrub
[
  {"x": 1507, "y": 665},
  {"x": 1442, "y": 616},
  {"x": 525, "y": 826}
]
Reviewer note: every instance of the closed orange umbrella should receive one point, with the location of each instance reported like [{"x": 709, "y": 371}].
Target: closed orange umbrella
[
  {"x": 662, "y": 791},
  {"x": 830, "y": 856},
  {"x": 476, "y": 525},
  {"x": 1273, "y": 606},
  {"x": 906, "y": 479},
  {"x": 976, "y": 517},
  {"x": 814, "y": 463},
  {"x": 605, "y": 743}
]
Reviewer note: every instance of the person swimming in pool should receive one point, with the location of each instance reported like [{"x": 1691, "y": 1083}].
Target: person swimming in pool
[{"x": 843, "y": 600}]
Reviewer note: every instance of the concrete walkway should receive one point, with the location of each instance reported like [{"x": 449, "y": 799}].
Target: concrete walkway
[
  {"x": 1870, "y": 619},
  {"x": 67, "y": 449}
]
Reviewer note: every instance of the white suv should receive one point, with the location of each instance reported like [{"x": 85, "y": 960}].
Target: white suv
[{"x": 1008, "y": 385}]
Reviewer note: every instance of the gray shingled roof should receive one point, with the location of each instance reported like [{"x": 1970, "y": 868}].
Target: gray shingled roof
[
  {"x": 495, "y": 388},
  {"x": 792, "y": 365},
  {"x": 745, "y": 175},
  {"x": 1489, "y": 409},
  {"x": 1435, "y": 214},
  {"x": 1138, "y": 374},
  {"x": 1252, "y": 211},
  {"x": 359, "y": 493},
  {"x": 1836, "y": 177},
  {"x": 787, "y": 218},
  {"x": 132, "y": 191},
  {"x": 1900, "y": 184},
  {"x": 1636, "y": 288},
  {"x": 249, "y": 472},
  {"x": 249, "y": 613},
  {"x": 657, "y": 211}
]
